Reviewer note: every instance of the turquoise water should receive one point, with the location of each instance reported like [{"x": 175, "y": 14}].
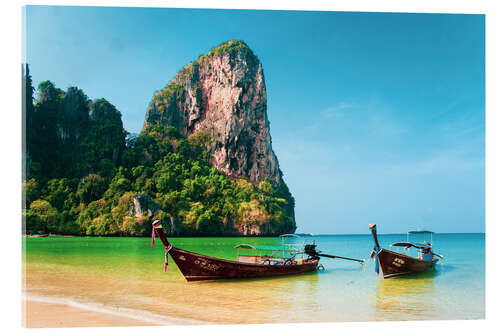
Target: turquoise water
[{"x": 126, "y": 272}]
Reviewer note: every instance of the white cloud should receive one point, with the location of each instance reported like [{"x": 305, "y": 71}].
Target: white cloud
[{"x": 337, "y": 110}]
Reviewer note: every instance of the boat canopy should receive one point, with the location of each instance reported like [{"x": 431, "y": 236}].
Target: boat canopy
[
  {"x": 289, "y": 235},
  {"x": 416, "y": 245},
  {"x": 258, "y": 247},
  {"x": 420, "y": 232}
]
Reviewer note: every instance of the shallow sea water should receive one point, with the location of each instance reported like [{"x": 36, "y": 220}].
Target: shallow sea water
[{"x": 127, "y": 273}]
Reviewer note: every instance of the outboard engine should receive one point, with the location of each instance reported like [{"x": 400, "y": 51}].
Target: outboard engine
[{"x": 310, "y": 250}]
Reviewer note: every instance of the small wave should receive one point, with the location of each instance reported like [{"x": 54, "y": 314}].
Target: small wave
[{"x": 139, "y": 315}]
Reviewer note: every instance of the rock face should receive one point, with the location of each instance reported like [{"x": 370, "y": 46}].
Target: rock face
[
  {"x": 223, "y": 94},
  {"x": 70, "y": 136},
  {"x": 143, "y": 206}
]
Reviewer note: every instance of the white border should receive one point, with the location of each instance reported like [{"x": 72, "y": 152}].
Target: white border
[{"x": 11, "y": 163}]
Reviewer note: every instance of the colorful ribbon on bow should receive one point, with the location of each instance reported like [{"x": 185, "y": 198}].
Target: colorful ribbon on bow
[
  {"x": 167, "y": 249},
  {"x": 153, "y": 237}
]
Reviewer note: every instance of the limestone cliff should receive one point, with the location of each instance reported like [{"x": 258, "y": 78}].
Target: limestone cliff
[
  {"x": 70, "y": 136},
  {"x": 223, "y": 94}
]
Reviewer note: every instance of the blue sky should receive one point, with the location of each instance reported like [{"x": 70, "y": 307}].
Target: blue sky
[{"x": 375, "y": 117}]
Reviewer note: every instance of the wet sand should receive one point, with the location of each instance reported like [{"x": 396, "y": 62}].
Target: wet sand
[
  {"x": 40, "y": 314},
  {"x": 60, "y": 298},
  {"x": 101, "y": 299},
  {"x": 44, "y": 311}
]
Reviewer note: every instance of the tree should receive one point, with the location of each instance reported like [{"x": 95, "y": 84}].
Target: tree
[
  {"x": 31, "y": 191},
  {"x": 33, "y": 224},
  {"x": 106, "y": 137},
  {"x": 43, "y": 138},
  {"x": 91, "y": 188},
  {"x": 48, "y": 217},
  {"x": 60, "y": 193},
  {"x": 28, "y": 113}
]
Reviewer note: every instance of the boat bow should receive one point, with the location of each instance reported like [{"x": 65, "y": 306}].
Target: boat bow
[
  {"x": 158, "y": 230},
  {"x": 376, "y": 248}
]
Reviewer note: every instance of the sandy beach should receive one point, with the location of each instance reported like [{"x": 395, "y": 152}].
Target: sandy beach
[
  {"x": 40, "y": 314},
  {"x": 90, "y": 298},
  {"x": 42, "y": 311}
]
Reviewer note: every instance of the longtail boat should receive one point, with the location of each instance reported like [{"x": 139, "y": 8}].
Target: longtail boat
[
  {"x": 281, "y": 262},
  {"x": 396, "y": 264}
]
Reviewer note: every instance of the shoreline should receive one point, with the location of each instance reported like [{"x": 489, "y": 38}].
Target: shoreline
[
  {"x": 122, "y": 283},
  {"x": 239, "y": 236},
  {"x": 53, "y": 312}
]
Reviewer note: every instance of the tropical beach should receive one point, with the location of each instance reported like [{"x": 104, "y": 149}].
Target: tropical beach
[{"x": 121, "y": 281}]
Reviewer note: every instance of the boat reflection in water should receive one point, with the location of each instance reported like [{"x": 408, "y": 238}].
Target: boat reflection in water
[
  {"x": 294, "y": 306},
  {"x": 406, "y": 298},
  {"x": 274, "y": 299}
]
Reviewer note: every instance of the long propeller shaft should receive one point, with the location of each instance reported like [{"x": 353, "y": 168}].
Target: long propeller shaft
[
  {"x": 310, "y": 250},
  {"x": 437, "y": 255},
  {"x": 339, "y": 257}
]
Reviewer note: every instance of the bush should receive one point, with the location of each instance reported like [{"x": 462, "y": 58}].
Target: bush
[
  {"x": 33, "y": 224},
  {"x": 49, "y": 217},
  {"x": 91, "y": 188},
  {"x": 31, "y": 191}
]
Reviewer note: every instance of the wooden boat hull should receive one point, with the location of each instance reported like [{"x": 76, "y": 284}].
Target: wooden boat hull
[
  {"x": 198, "y": 267},
  {"x": 397, "y": 264}
]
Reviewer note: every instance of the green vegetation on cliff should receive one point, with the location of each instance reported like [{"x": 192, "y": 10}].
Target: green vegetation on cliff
[{"x": 84, "y": 178}]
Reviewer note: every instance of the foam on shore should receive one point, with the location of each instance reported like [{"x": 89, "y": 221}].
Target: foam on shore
[{"x": 146, "y": 317}]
